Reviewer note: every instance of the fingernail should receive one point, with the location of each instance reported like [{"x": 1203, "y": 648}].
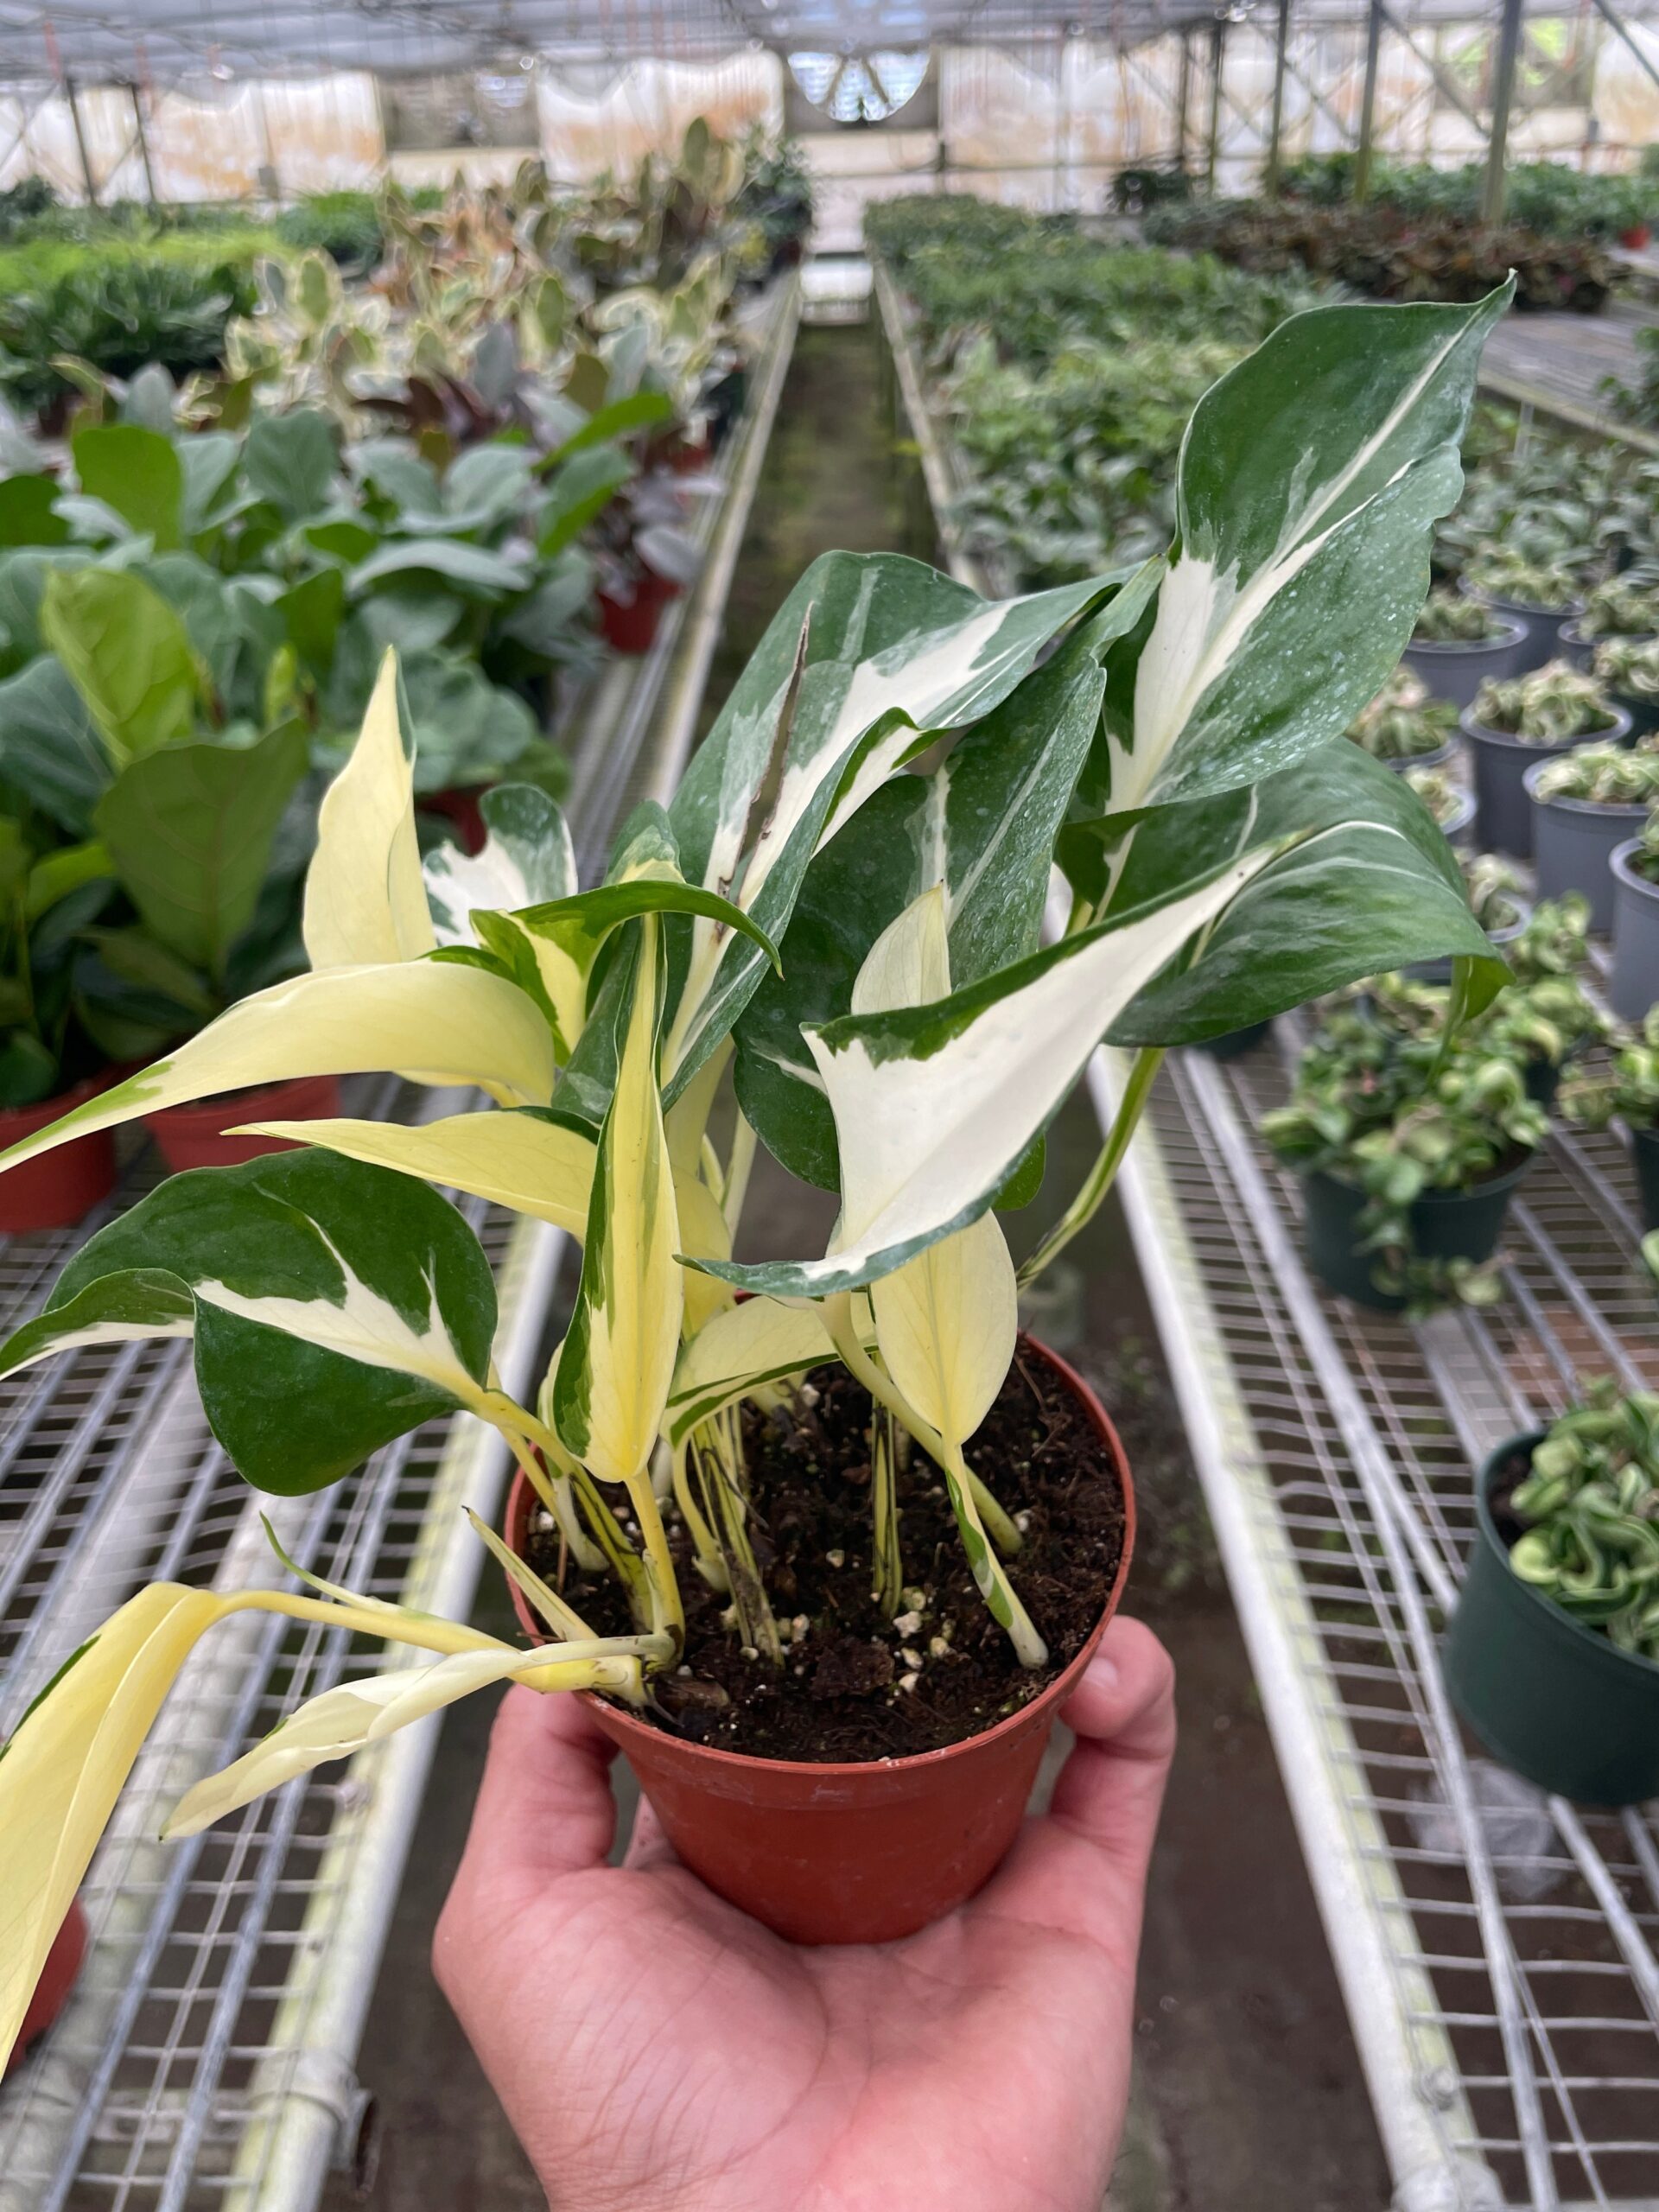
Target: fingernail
[{"x": 1103, "y": 1671}]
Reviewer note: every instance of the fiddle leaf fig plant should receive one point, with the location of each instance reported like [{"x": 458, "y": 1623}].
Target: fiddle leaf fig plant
[{"x": 840, "y": 910}]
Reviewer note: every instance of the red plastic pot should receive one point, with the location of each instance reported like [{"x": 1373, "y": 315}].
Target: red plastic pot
[
  {"x": 61, "y": 1187},
  {"x": 460, "y": 807},
  {"x": 630, "y": 626},
  {"x": 57, "y": 1980},
  {"x": 852, "y": 1852},
  {"x": 194, "y": 1136},
  {"x": 1638, "y": 235}
]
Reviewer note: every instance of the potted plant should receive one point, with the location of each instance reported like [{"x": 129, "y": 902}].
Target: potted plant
[
  {"x": 1553, "y": 1654},
  {"x": 1585, "y": 804},
  {"x": 1409, "y": 1147},
  {"x": 1541, "y": 593},
  {"x": 841, "y": 910},
  {"x": 1633, "y": 985},
  {"x": 1545, "y": 1018},
  {"x": 1403, "y": 726},
  {"x": 1459, "y": 641},
  {"x": 1513, "y": 724},
  {"x": 1620, "y": 606},
  {"x": 1496, "y": 902},
  {"x": 1451, "y": 804},
  {"x": 1628, "y": 668},
  {"x": 1628, "y": 1088}
]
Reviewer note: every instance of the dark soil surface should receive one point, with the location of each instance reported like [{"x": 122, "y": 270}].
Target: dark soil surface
[{"x": 841, "y": 1693}]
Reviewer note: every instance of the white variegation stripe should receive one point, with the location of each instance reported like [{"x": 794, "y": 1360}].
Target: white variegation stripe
[
  {"x": 102, "y": 1332},
  {"x": 359, "y": 1325},
  {"x": 759, "y": 1341}
]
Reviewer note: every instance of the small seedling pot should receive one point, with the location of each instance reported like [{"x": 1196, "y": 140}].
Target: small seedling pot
[
  {"x": 1555, "y": 1701},
  {"x": 1644, "y": 1159},
  {"x": 1445, "y": 1225},
  {"x": 1633, "y": 987},
  {"x": 859, "y": 1852},
  {"x": 57, "y": 1980},
  {"x": 1456, "y": 670},
  {"x": 1503, "y": 812},
  {"x": 630, "y": 626},
  {"x": 1574, "y": 843},
  {"x": 1235, "y": 1041},
  {"x": 195, "y": 1135},
  {"x": 1636, "y": 237},
  {"x": 1544, "y": 625},
  {"x": 59, "y": 1187}
]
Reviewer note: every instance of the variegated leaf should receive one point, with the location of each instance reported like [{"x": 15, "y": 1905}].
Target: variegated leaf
[
  {"x": 935, "y": 1105},
  {"x": 447, "y": 1024},
  {"x": 1311, "y": 478},
  {"x": 527, "y": 858},
  {"x": 758, "y": 1342},
  {"x": 120, "y": 1307},
  {"x": 618, "y": 1358},
  {"x": 337, "y": 1306},
  {"x": 867, "y": 652},
  {"x": 364, "y": 898}
]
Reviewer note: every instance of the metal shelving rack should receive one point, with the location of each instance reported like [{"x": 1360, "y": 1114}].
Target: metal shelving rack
[
  {"x": 206, "y": 2058},
  {"x": 1496, "y": 1949}
]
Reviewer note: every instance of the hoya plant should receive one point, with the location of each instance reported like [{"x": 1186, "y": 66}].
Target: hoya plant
[
  {"x": 1553, "y": 703},
  {"x": 839, "y": 917},
  {"x": 1455, "y": 618},
  {"x": 1402, "y": 722},
  {"x": 1603, "y": 775},
  {"x": 1626, "y": 1085},
  {"x": 1507, "y": 573},
  {"x": 1589, "y": 1512},
  {"x": 1629, "y": 665},
  {"x": 1621, "y": 608}
]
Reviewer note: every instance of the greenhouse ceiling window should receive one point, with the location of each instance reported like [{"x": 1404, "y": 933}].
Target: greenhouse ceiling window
[{"x": 859, "y": 87}]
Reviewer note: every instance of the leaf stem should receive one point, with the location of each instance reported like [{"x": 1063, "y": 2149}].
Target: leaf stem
[
  {"x": 989, "y": 1574},
  {"x": 1102, "y": 1176}
]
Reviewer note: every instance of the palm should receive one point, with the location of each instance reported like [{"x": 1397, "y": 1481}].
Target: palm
[{"x": 657, "y": 2049}]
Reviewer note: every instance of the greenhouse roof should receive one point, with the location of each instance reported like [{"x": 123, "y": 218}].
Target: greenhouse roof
[{"x": 207, "y": 41}]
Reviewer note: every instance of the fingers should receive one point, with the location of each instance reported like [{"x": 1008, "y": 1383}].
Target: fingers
[{"x": 1123, "y": 1711}]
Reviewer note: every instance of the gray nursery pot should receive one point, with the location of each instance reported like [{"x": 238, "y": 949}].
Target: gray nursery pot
[
  {"x": 1633, "y": 986},
  {"x": 1436, "y": 759},
  {"x": 1439, "y": 970},
  {"x": 1500, "y": 762},
  {"x": 1575, "y": 646},
  {"x": 1643, "y": 713},
  {"x": 1457, "y": 670},
  {"x": 1544, "y": 626},
  {"x": 1575, "y": 842}
]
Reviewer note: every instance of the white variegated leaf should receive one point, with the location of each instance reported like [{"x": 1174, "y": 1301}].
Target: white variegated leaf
[
  {"x": 364, "y": 898},
  {"x": 522, "y": 1159}
]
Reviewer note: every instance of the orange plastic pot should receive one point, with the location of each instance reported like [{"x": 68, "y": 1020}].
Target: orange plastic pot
[
  {"x": 851, "y": 1852},
  {"x": 57, "y": 1980},
  {"x": 629, "y": 626},
  {"x": 194, "y": 1136},
  {"x": 62, "y": 1186}
]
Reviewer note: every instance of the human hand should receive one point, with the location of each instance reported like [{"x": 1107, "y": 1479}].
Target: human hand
[{"x": 656, "y": 2050}]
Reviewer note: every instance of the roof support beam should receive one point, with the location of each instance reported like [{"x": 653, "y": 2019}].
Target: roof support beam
[
  {"x": 1368, "y": 102},
  {"x": 1450, "y": 89},
  {"x": 1183, "y": 99},
  {"x": 141, "y": 138},
  {"x": 1281, "y": 43},
  {"x": 1509, "y": 48},
  {"x": 1217, "y": 64},
  {"x": 80, "y": 141},
  {"x": 1611, "y": 17}
]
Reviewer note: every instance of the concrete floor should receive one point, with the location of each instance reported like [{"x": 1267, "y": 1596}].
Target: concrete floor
[{"x": 1249, "y": 2092}]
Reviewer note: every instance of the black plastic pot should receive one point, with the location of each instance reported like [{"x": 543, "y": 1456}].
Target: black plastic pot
[
  {"x": 1458, "y": 828},
  {"x": 1234, "y": 1041},
  {"x": 1633, "y": 986},
  {"x": 1575, "y": 646},
  {"x": 1457, "y": 669},
  {"x": 1645, "y": 1158},
  {"x": 1643, "y": 713},
  {"x": 1552, "y": 1699},
  {"x": 1574, "y": 842},
  {"x": 1503, "y": 807},
  {"x": 1541, "y": 1079},
  {"x": 1445, "y": 1225},
  {"x": 1544, "y": 626}
]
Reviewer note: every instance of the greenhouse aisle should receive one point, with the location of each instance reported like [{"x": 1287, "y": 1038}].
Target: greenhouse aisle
[{"x": 1248, "y": 2086}]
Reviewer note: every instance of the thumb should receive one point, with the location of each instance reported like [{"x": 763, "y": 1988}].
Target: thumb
[{"x": 1123, "y": 1712}]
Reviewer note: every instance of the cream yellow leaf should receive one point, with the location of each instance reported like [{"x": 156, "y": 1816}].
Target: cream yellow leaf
[
  {"x": 518, "y": 1160},
  {"x": 365, "y": 899},
  {"x": 945, "y": 1323}
]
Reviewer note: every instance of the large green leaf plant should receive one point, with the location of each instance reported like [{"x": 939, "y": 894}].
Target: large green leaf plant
[{"x": 842, "y": 910}]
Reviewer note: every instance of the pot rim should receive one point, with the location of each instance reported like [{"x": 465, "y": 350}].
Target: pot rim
[
  {"x": 1634, "y": 809},
  {"x": 1619, "y": 860},
  {"x": 619, "y": 1719},
  {"x": 1545, "y": 748},
  {"x": 1529, "y": 1440},
  {"x": 1573, "y": 635},
  {"x": 1483, "y": 1189},
  {"x": 1436, "y": 757},
  {"x": 1525, "y": 610},
  {"x": 1511, "y": 631}
]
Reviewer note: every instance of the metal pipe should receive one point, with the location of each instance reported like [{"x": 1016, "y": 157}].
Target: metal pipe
[
  {"x": 143, "y": 137},
  {"x": 1611, "y": 16},
  {"x": 1368, "y": 103},
  {"x": 1276, "y": 129},
  {"x": 1183, "y": 99},
  {"x": 1509, "y": 48},
  {"x": 80, "y": 141},
  {"x": 1218, "y": 63}
]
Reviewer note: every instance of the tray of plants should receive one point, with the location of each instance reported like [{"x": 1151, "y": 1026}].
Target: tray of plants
[
  {"x": 1494, "y": 1945},
  {"x": 209, "y": 2041}
]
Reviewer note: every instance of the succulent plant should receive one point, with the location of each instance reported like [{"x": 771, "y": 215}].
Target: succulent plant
[
  {"x": 1454, "y": 617},
  {"x": 1629, "y": 665},
  {"x": 1591, "y": 1505},
  {"x": 1603, "y": 775},
  {"x": 1402, "y": 722},
  {"x": 1552, "y": 704}
]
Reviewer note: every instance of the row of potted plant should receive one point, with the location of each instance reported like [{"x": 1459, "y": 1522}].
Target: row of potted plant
[
  {"x": 840, "y": 910},
  {"x": 1546, "y": 197}
]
